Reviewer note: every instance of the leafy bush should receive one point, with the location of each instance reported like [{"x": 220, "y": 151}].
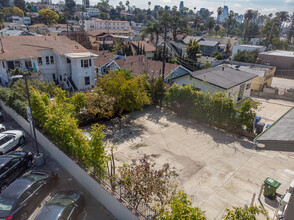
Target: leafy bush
[
  {"x": 247, "y": 213},
  {"x": 246, "y": 56},
  {"x": 217, "y": 55}
]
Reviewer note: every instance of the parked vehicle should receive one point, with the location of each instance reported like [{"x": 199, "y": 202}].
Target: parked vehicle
[
  {"x": 2, "y": 128},
  {"x": 26, "y": 193},
  {"x": 10, "y": 139},
  {"x": 12, "y": 165},
  {"x": 63, "y": 205}
]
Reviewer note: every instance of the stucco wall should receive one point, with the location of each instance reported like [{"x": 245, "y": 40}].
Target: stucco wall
[{"x": 106, "y": 199}]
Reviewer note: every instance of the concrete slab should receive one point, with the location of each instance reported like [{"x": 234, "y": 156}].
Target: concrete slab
[{"x": 216, "y": 168}]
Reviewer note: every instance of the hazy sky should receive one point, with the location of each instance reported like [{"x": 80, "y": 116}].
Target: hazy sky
[{"x": 240, "y": 6}]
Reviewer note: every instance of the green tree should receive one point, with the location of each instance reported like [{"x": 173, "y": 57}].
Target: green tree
[
  {"x": 246, "y": 56},
  {"x": 210, "y": 24},
  {"x": 13, "y": 11},
  {"x": 193, "y": 50},
  {"x": 219, "y": 12},
  {"x": 216, "y": 29},
  {"x": 230, "y": 22},
  {"x": 50, "y": 17},
  {"x": 207, "y": 64},
  {"x": 129, "y": 92},
  {"x": 178, "y": 23},
  {"x": 282, "y": 17},
  {"x": 20, "y": 4},
  {"x": 247, "y": 213},
  {"x": 70, "y": 5},
  {"x": 217, "y": 55},
  {"x": 181, "y": 207}
]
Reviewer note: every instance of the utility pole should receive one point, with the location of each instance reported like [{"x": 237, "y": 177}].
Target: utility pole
[{"x": 164, "y": 54}]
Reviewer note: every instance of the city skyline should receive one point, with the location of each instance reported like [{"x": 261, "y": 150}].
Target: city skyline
[{"x": 239, "y": 6}]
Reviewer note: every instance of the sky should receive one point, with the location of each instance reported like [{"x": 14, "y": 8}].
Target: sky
[{"x": 239, "y": 6}]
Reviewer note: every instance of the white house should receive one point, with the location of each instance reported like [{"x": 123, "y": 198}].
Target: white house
[
  {"x": 238, "y": 48},
  {"x": 235, "y": 83},
  {"x": 89, "y": 13},
  {"x": 98, "y": 24},
  {"x": 19, "y": 20},
  {"x": 58, "y": 59}
]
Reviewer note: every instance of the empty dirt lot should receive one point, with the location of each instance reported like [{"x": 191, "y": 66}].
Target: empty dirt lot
[{"x": 219, "y": 170}]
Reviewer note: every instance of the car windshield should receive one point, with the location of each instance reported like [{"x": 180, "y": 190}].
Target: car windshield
[
  {"x": 2, "y": 141},
  {"x": 34, "y": 177},
  {"x": 6, "y": 204},
  {"x": 4, "y": 160},
  {"x": 60, "y": 202}
]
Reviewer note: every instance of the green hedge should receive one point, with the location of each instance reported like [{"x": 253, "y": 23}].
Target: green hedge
[{"x": 216, "y": 109}]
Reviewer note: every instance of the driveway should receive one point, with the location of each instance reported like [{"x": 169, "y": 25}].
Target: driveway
[{"x": 218, "y": 169}]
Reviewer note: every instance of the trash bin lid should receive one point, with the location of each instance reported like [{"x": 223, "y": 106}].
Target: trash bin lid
[{"x": 272, "y": 182}]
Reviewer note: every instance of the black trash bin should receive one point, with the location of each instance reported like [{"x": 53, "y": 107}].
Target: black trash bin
[{"x": 259, "y": 127}]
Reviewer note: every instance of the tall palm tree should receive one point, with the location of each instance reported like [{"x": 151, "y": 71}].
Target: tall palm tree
[
  {"x": 282, "y": 16},
  {"x": 219, "y": 12},
  {"x": 248, "y": 16},
  {"x": 128, "y": 4},
  {"x": 230, "y": 20},
  {"x": 149, "y": 3}
]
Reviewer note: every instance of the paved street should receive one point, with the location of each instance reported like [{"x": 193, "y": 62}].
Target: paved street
[{"x": 94, "y": 210}]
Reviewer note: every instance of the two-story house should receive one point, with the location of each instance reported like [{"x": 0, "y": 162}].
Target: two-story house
[{"x": 58, "y": 59}]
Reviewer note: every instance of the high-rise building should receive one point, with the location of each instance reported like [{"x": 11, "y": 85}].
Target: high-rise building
[{"x": 181, "y": 6}]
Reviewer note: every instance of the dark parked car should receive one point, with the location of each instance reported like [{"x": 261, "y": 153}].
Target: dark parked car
[
  {"x": 26, "y": 193},
  {"x": 12, "y": 165},
  {"x": 63, "y": 205}
]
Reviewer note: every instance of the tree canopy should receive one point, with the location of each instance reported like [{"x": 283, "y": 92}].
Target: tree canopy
[{"x": 49, "y": 16}]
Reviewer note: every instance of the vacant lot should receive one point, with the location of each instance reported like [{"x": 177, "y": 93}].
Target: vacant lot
[{"x": 217, "y": 169}]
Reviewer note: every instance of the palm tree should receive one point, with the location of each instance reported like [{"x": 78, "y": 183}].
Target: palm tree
[
  {"x": 282, "y": 16},
  {"x": 230, "y": 21},
  {"x": 149, "y": 3},
  {"x": 128, "y": 5},
  {"x": 210, "y": 24},
  {"x": 248, "y": 16},
  {"x": 197, "y": 20},
  {"x": 219, "y": 12}
]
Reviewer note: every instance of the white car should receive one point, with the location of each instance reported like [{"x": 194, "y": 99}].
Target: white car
[
  {"x": 2, "y": 128},
  {"x": 10, "y": 139}
]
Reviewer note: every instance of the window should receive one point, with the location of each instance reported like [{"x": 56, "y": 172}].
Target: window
[
  {"x": 85, "y": 63},
  {"x": 248, "y": 86},
  {"x": 60, "y": 77},
  {"x": 87, "y": 80},
  {"x": 40, "y": 61},
  {"x": 54, "y": 77},
  {"x": 16, "y": 64},
  {"x": 52, "y": 59},
  {"x": 68, "y": 60},
  {"x": 28, "y": 64},
  {"x": 47, "y": 60}
]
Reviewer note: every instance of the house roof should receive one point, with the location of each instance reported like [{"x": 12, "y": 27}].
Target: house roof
[
  {"x": 282, "y": 131},
  {"x": 178, "y": 43},
  {"x": 281, "y": 53},
  {"x": 149, "y": 47},
  {"x": 97, "y": 32},
  {"x": 208, "y": 43},
  {"x": 224, "y": 78},
  {"x": 16, "y": 47},
  {"x": 103, "y": 57},
  {"x": 197, "y": 38},
  {"x": 140, "y": 64},
  {"x": 111, "y": 21}
]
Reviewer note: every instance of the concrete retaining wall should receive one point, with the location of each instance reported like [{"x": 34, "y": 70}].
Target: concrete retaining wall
[{"x": 114, "y": 206}]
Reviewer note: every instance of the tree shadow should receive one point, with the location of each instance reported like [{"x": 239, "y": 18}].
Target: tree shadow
[{"x": 220, "y": 136}]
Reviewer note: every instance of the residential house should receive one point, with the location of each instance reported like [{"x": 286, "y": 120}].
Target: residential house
[
  {"x": 89, "y": 13},
  {"x": 234, "y": 83},
  {"x": 177, "y": 48},
  {"x": 105, "y": 63},
  {"x": 208, "y": 47},
  {"x": 265, "y": 73},
  {"x": 97, "y": 37},
  {"x": 139, "y": 46},
  {"x": 10, "y": 32},
  {"x": 58, "y": 59},
  {"x": 98, "y": 24},
  {"x": 19, "y": 20},
  {"x": 283, "y": 60},
  {"x": 247, "y": 47},
  {"x": 142, "y": 65}
]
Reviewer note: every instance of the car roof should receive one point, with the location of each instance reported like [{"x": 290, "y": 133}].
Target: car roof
[
  {"x": 50, "y": 212},
  {"x": 20, "y": 185}
]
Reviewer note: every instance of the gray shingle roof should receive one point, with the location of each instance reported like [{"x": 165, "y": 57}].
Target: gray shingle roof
[
  {"x": 225, "y": 79},
  {"x": 208, "y": 43},
  {"x": 178, "y": 43},
  {"x": 187, "y": 39},
  {"x": 282, "y": 131}
]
